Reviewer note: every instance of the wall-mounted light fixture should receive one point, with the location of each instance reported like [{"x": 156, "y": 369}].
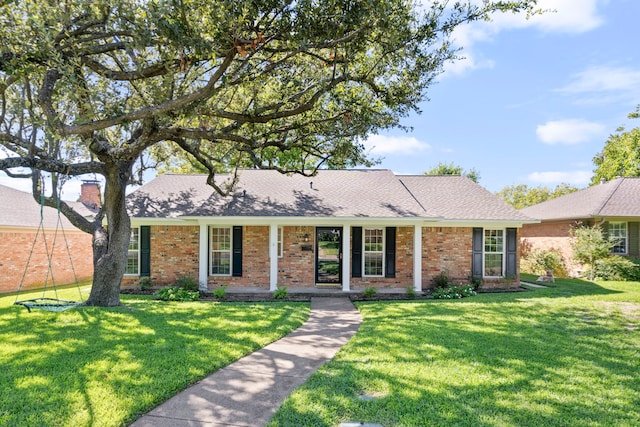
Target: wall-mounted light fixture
[{"x": 306, "y": 237}]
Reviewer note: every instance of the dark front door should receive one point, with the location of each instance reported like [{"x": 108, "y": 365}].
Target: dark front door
[{"x": 328, "y": 255}]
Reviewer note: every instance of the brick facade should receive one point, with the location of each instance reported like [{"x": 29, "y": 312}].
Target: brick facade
[
  {"x": 552, "y": 235},
  {"x": 16, "y": 246},
  {"x": 404, "y": 265},
  {"x": 174, "y": 253},
  {"x": 297, "y": 265},
  {"x": 446, "y": 249}
]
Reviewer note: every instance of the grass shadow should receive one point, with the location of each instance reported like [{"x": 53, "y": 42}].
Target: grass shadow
[
  {"x": 106, "y": 366},
  {"x": 555, "y": 357}
]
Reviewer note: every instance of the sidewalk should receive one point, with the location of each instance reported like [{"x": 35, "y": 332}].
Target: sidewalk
[{"x": 248, "y": 392}]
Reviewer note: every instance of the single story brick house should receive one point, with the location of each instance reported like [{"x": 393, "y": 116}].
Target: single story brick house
[
  {"x": 348, "y": 229},
  {"x": 19, "y": 225},
  {"x": 615, "y": 205}
]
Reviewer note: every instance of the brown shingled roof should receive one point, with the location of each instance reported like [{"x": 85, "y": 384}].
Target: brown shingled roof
[
  {"x": 19, "y": 209},
  {"x": 617, "y": 198},
  {"x": 459, "y": 198},
  {"x": 331, "y": 193}
]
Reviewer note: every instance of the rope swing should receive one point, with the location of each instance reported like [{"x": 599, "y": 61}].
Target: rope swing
[{"x": 43, "y": 303}]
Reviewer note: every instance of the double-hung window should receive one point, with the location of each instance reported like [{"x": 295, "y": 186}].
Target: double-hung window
[
  {"x": 493, "y": 253},
  {"x": 220, "y": 245},
  {"x": 133, "y": 253},
  {"x": 618, "y": 233},
  {"x": 373, "y": 252}
]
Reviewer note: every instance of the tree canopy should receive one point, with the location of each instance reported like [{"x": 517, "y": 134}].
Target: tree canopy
[
  {"x": 451, "y": 169},
  {"x": 521, "y": 195},
  {"x": 108, "y": 88},
  {"x": 619, "y": 157},
  {"x": 589, "y": 245}
]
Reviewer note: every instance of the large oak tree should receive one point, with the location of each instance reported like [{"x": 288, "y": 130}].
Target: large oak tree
[{"x": 101, "y": 87}]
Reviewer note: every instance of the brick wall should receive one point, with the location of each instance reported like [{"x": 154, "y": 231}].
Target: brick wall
[
  {"x": 446, "y": 249},
  {"x": 297, "y": 266},
  {"x": 551, "y": 235},
  {"x": 174, "y": 254},
  {"x": 16, "y": 245},
  {"x": 255, "y": 260},
  {"x": 404, "y": 265}
]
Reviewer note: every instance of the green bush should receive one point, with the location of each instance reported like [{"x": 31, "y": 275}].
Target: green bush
[
  {"x": 616, "y": 267},
  {"x": 476, "y": 283},
  {"x": 411, "y": 293},
  {"x": 539, "y": 261},
  {"x": 370, "y": 292},
  {"x": 144, "y": 283},
  {"x": 220, "y": 292},
  {"x": 454, "y": 291},
  {"x": 280, "y": 293},
  {"x": 188, "y": 283},
  {"x": 442, "y": 280},
  {"x": 174, "y": 293}
]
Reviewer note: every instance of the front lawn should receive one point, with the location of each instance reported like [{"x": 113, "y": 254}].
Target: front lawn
[
  {"x": 568, "y": 355},
  {"x": 106, "y": 367}
]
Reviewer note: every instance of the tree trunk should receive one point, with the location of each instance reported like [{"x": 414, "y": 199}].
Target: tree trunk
[{"x": 110, "y": 244}]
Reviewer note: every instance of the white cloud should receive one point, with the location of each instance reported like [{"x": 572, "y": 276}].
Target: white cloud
[
  {"x": 576, "y": 177},
  {"x": 568, "y": 16},
  {"x": 604, "y": 79},
  {"x": 572, "y": 131},
  {"x": 379, "y": 144}
]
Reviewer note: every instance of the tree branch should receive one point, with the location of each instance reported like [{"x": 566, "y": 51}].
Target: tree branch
[
  {"x": 152, "y": 71},
  {"x": 51, "y": 165},
  {"x": 205, "y": 92}
]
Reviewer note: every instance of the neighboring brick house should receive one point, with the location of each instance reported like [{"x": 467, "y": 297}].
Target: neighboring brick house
[
  {"x": 615, "y": 205},
  {"x": 345, "y": 228},
  {"x": 19, "y": 225}
]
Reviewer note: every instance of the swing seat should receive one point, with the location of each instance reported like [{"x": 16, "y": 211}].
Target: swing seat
[{"x": 48, "y": 304}]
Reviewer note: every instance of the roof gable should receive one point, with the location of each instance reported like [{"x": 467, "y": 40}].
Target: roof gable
[
  {"x": 459, "y": 198},
  {"x": 617, "y": 198}
]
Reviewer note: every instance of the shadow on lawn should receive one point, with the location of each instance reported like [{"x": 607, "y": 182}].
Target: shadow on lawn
[
  {"x": 93, "y": 366},
  {"x": 500, "y": 359},
  {"x": 564, "y": 288}
]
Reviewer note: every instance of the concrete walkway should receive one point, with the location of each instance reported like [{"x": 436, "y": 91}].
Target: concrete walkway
[{"x": 248, "y": 392}]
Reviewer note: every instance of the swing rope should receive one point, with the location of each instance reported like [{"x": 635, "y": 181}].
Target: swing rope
[{"x": 49, "y": 304}]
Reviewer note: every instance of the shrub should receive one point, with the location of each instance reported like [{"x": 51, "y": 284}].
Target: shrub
[
  {"x": 539, "y": 261},
  {"x": 616, "y": 267},
  {"x": 411, "y": 293},
  {"x": 188, "y": 283},
  {"x": 144, "y": 283},
  {"x": 476, "y": 283},
  {"x": 174, "y": 293},
  {"x": 454, "y": 291},
  {"x": 220, "y": 292},
  {"x": 280, "y": 293},
  {"x": 442, "y": 280},
  {"x": 370, "y": 292}
]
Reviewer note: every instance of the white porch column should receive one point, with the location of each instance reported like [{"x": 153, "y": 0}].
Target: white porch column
[
  {"x": 346, "y": 258},
  {"x": 273, "y": 257},
  {"x": 203, "y": 258},
  {"x": 417, "y": 258}
]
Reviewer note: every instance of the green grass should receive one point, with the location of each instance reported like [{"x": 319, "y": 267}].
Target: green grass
[
  {"x": 105, "y": 367},
  {"x": 567, "y": 355}
]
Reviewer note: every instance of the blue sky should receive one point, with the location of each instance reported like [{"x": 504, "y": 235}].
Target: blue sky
[{"x": 532, "y": 102}]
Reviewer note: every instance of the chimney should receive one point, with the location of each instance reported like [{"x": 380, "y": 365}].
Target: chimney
[{"x": 90, "y": 194}]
